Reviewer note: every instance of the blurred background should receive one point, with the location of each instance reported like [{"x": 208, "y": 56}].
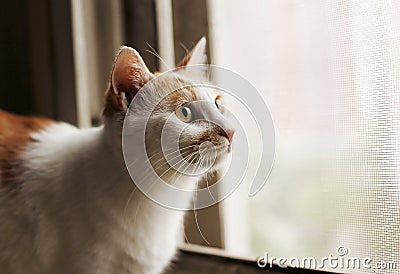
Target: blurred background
[{"x": 329, "y": 71}]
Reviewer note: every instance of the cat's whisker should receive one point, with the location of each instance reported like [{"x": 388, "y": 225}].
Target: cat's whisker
[
  {"x": 151, "y": 186},
  {"x": 128, "y": 201},
  {"x": 137, "y": 211},
  {"x": 173, "y": 177},
  {"x": 208, "y": 187},
  {"x": 180, "y": 173},
  {"x": 169, "y": 153},
  {"x": 154, "y": 52},
  {"x": 153, "y": 183},
  {"x": 188, "y": 164},
  {"x": 195, "y": 213},
  {"x": 194, "y": 203},
  {"x": 200, "y": 163},
  {"x": 160, "y": 176},
  {"x": 127, "y": 166},
  {"x": 140, "y": 202},
  {"x": 158, "y": 153},
  {"x": 191, "y": 162},
  {"x": 164, "y": 155},
  {"x": 181, "y": 160},
  {"x": 131, "y": 195},
  {"x": 183, "y": 230},
  {"x": 184, "y": 47}
]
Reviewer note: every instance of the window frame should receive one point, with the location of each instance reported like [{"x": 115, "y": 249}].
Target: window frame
[{"x": 198, "y": 248}]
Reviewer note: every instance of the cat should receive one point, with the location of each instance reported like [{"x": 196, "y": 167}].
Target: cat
[{"x": 67, "y": 202}]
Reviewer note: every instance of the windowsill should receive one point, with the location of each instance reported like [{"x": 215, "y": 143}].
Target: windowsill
[{"x": 198, "y": 260}]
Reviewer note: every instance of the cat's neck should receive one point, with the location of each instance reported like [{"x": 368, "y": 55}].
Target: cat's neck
[
  {"x": 87, "y": 163},
  {"x": 78, "y": 176}
]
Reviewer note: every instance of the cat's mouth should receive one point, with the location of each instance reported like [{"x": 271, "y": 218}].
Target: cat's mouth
[
  {"x": 203, "y": 150},
  {"x": 207, "y": 150},
  {"x": 224, "y": 148}
]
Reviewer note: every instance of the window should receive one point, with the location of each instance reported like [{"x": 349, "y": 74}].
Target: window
[{"x": 329, "y": 72}]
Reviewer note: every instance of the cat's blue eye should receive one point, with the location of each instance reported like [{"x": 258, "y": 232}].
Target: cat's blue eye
[{"x": 184, "y": 114}]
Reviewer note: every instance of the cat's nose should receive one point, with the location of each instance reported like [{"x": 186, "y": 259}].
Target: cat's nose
[{"x": 228, "y": 133}]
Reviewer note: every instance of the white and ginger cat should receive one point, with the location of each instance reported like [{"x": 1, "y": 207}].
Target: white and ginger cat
[{"x": 67, "y": 202}]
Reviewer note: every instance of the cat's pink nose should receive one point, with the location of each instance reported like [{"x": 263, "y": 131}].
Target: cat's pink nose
[{"x": 228, "y": 133}]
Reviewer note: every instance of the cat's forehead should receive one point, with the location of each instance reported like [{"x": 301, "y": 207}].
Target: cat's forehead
[
  {"x": 179, "y": 86},
  {"x": 176, "y": 89}
]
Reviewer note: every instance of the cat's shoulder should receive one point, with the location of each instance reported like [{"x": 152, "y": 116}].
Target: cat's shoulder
[
  {"x": 15, "y": 136},
  {"x": 16, "y": 129}
]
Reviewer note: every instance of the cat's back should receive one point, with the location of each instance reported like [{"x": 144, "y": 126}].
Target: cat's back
[
  {"x": 37, "y": 162},
  {"x": 15, "y": 136},
  {"x": 15, "y": 132},
  {"x": 17, "y": 124}
]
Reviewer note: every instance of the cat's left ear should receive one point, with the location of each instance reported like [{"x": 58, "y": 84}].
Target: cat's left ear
[
  {"x": 128, "y": 76},
  {"x": 197, "y": 56}
]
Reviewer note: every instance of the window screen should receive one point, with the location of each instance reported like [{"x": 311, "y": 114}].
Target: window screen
[{"x": 330, "y": 73}]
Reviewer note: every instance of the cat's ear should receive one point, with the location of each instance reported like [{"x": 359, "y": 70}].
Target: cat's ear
[
  {"x": 129, "y": 74},
  {"x": 197, "y": 56}
]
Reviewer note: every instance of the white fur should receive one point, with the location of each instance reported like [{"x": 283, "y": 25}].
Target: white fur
[
  {"x": 78, "y": 212},
  {"x": 198, "y": 53}
]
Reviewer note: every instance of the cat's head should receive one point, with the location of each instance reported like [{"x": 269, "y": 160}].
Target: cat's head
[{"x": 184, "y": 109}]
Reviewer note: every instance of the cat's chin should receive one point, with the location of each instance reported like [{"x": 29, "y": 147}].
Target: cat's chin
[{"x": 221, "y": 161}]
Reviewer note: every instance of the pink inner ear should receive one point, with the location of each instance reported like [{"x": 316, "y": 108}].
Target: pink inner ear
[
  {"x": 184, "y": 61},
  {"x": 130, "y": 72}
]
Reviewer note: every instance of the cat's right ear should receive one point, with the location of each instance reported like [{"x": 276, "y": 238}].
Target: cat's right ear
[
  {"x": 197, "y": 56},
  {"x": 129, "y": 74}
]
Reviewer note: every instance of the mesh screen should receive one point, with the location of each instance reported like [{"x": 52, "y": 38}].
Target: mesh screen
[{"x": 330, "y": 72}]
